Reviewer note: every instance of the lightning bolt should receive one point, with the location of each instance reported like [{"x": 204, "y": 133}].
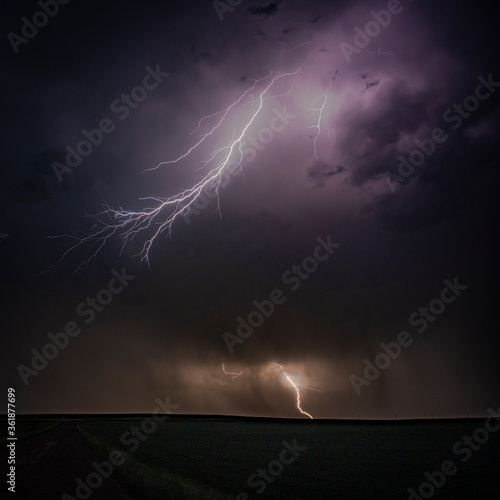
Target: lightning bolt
[
  {"x": 297, "y": 390},
  {"x": 233, "y": 374},
  {"x": 301, "y": 45},
  {"x": 298, "y": 396},
  {"x": 320, "y": 116},
  {"x": 128, "y": 224}
]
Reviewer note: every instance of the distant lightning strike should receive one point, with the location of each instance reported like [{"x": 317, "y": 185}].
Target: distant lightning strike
[
  {"x": 297, "y": 390},
  {"x": 233, "y": 374},
  {"x": 298, "y": 397},
  {"x": 320, "y": 116},
  {"x": 127, "y": 224}
]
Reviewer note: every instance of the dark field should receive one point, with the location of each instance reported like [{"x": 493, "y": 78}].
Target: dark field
[{"x": 214, "y": 458}]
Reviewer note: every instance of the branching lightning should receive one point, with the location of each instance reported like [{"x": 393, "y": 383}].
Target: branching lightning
[
  {"x": 301, "y": 45},
  {"x": 232, "y": 374},
  {"x": 127, "y": 224},
  {"x": 320, "y": 111},
  {"x": 297, "y": 389}
]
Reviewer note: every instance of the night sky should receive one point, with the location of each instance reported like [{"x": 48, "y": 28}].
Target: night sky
[{"x": 316, "y": 109}]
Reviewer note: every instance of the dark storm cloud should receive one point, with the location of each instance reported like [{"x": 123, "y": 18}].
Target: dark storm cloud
[
  {"x": 452, "y": 178},
  {"x": 40, "y": 184},
  {"x": 445, "y": 188},
  {"x": 164, "y": 334},
  {"x": 319, "y": 173},
  {"x": 398, "y": 111},
  {"x": 317, "y": 18},
  {"x": 373, "y": 83},
  {"x": 264, "y": 11}
]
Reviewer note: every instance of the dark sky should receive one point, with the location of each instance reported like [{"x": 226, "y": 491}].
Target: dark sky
[{"x": 312, "y": 128}]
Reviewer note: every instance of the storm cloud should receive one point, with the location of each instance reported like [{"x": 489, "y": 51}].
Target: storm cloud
[{"x": 324, "y": 156}]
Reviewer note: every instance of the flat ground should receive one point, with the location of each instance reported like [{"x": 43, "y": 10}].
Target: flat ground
[
  {"x": 49, "y": 463},
  {"x": 336, "y": 460}
]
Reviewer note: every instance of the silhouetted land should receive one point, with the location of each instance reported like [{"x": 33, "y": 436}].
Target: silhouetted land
[{"x": 207, "y": 456}]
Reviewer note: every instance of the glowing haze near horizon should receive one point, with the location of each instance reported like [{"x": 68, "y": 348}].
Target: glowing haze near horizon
[{"x": 321, "y": 174}]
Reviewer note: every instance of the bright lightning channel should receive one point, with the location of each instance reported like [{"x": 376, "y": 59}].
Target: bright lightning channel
[
  {"x": 233, "y": 374},
  {"x": 320, "y": 116},
  {"x": 127, "y": 224},
  {"x": 297, "y": 389}
]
